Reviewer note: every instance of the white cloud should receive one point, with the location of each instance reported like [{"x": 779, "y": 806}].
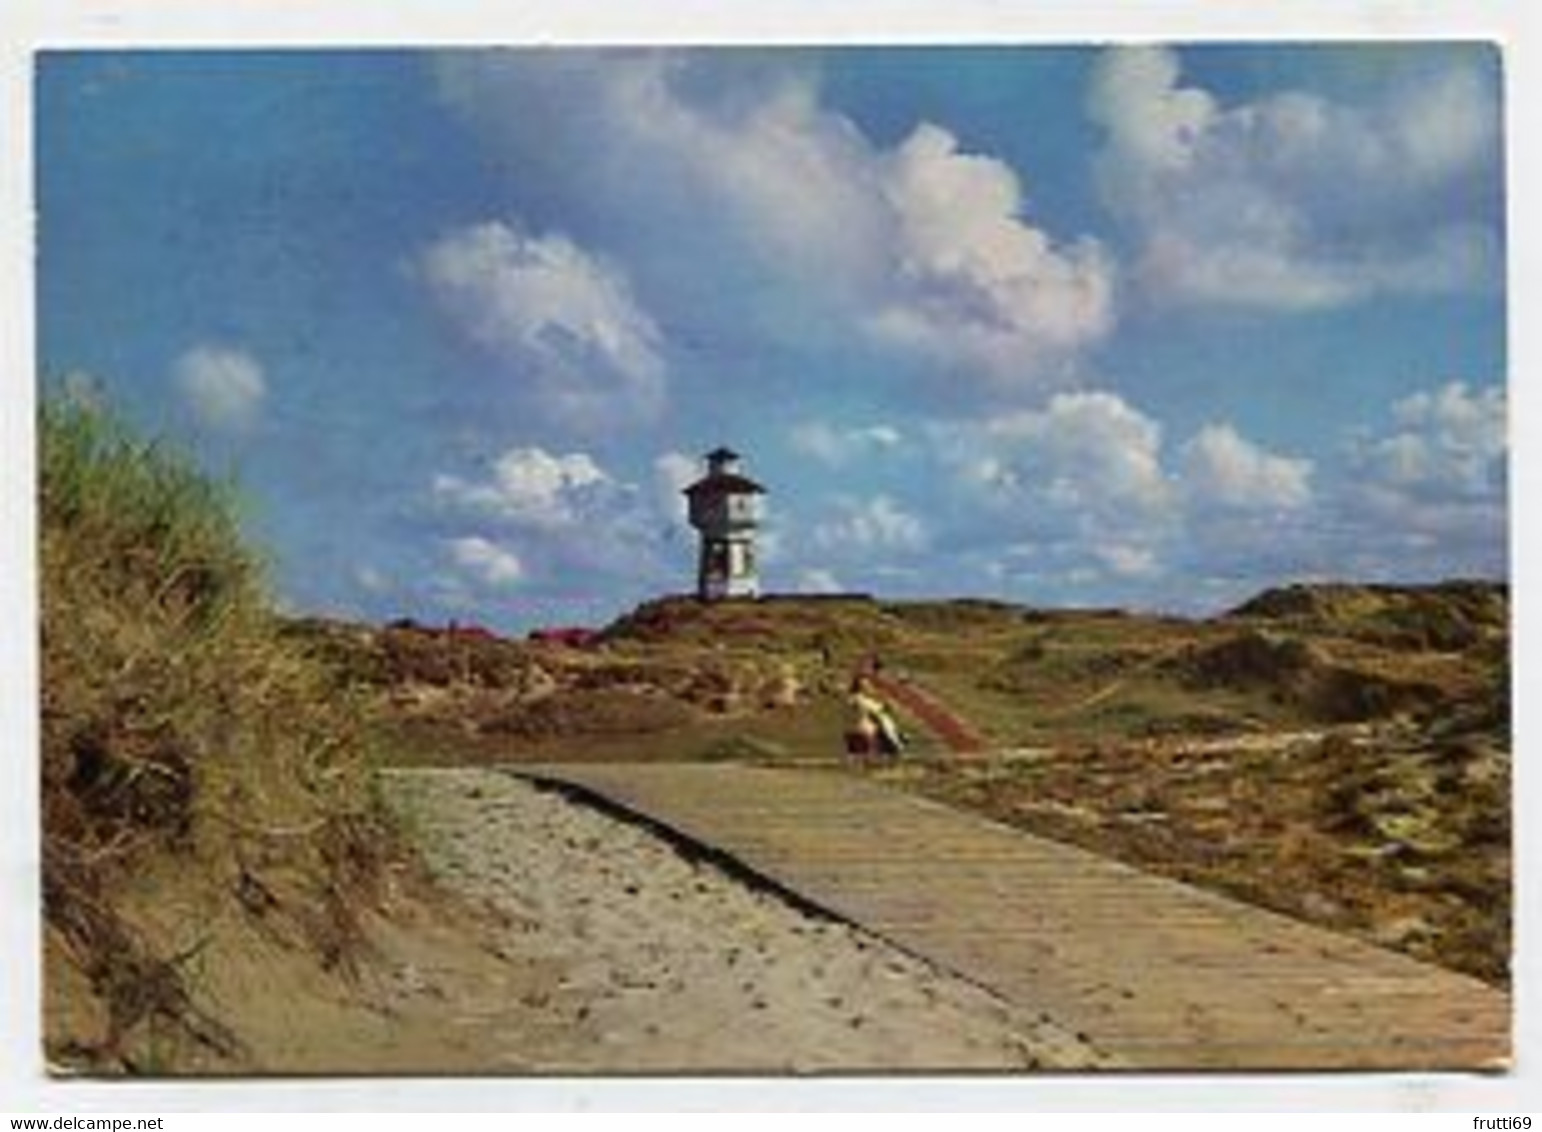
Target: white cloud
[
  {"x": 1294, "y": 201},
  {"x": 1432, "y": 489},
  {"x": 1441, "y": 127},
  {"x": 795, "y": 175},
  {"x": 1222, "y": 469},
  {"x": 1250, "y": 515},
  {"x": 980, "y": 286},
  {"x": 921, "y": 247},
  {"x": 1422, "y": 497},
  {"x": 837, "y": 446},
  {"x": 529, "y": 486},
  {"x": 1428, "y": 496},
  {"x": 576, "y": 524},
  {"x": 487, "y": 562},
  {"x": 1085, "y": 493},
  {"x": 1077, "y": 489},
  {"x": 224, "y": 387},
  {"x": 1452, "y": 439},
  {"x": 564, "y": 321},
  {"x": 1081, "y": 499},
  {"x": 1154, "y": 124},
  {"x": 873, "y": 525},
  {"x": 1088, "y": 452}
]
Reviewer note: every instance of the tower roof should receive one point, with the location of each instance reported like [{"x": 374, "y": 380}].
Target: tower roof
[
  {"x": 723, "y": 476},
  {"x": 725, "y": 483}
]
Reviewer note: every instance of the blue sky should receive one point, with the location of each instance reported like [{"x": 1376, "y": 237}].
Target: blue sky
[{"x": 1155, "y": 326}]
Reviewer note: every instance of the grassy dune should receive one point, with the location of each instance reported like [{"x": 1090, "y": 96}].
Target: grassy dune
[{"x": 197, "y": 770}]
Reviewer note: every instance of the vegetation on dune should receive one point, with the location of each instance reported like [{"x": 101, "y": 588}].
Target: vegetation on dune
[
  {"x": 453, "y": 695},
  {"x": 1449, "y": 616},
  {"x": 183, "y": 740},
  {"x": 1387, "y": 835},
  {"x": 1339, "y": 753}
]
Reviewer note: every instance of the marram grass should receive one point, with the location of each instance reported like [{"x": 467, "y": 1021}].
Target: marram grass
[{"x": 178, "y": 727}]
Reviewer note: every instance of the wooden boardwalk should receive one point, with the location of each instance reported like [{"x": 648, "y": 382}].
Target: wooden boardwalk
[{"x": 1160, "y": 974}]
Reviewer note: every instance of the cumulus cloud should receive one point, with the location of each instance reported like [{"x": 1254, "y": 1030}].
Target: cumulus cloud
[
  {"x": 865, "y": 526},
  {"x": 1450, "y": 441},
  {"x": 576, "y": 525},
  {"x": 978, "y": 285},
  {"x": 1076, "y": 489},
  {"x": 564, "y": 321},
  {"x": 1222, "y": 469},
  {"x": 1087, "y": 453},
  {"x": 530, "y": 486},
  {"x": 1432, "y": 487},
  {"x": 1084, "y": 491},
  {"x": 222, "y": 386},
  {"x": 922, "y": 247},
  {"x": 1296, "y": 201},
  {"x": 1423, "y": 496},
  {"x": 486, "y": 562},
  {"x": 1250, "y": 515},
  {"x": 837, "y": 446}
]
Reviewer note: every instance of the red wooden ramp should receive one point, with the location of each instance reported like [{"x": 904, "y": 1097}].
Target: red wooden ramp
[
  {"x": 957, "y": 734},
  {"x": 1159, "y": 974}
]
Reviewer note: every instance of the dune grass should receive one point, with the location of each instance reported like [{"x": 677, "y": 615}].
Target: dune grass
[{"x": 179, "y": 730}]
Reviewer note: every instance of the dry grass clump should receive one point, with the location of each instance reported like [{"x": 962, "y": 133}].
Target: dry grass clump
[{"x": 177, "y": 727}]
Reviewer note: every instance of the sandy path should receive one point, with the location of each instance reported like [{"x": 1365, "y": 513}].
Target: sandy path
[{"x": 670, "y": 964}]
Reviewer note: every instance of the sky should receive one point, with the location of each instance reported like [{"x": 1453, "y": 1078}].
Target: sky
[{"x": 1152, "y": 326}]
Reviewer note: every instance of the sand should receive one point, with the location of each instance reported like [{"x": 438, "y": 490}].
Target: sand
[{"x": 636, "y": 958}]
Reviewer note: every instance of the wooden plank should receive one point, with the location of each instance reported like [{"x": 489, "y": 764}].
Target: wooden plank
[{"x": 1163, "y": 974}]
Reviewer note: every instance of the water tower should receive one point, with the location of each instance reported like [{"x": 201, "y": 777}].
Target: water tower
[{"x": 725, "y": 509}]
